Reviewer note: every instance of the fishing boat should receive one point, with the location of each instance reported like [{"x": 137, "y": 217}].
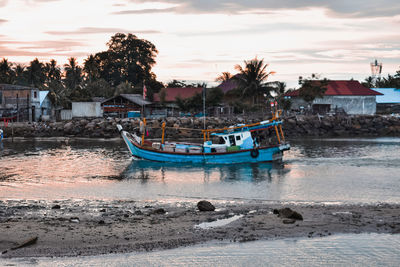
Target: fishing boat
[{"x": 230, "y": 145}]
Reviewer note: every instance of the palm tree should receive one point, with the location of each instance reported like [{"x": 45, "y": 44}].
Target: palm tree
[
  {"x": 91, "y": 68},
  {"x": 225, "y": 76},
  {"x": 252, "y": 78},
  {"x": 20, "y": 75},
  {"x": 36, "y": 73},
  {"x": 53, "y": 72},
  {"x": 73, "y": 74},
  {"x": 6, "y": 72}
]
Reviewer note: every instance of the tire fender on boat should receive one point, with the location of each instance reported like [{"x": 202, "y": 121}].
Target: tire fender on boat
[{"x": 254, "y": 153}]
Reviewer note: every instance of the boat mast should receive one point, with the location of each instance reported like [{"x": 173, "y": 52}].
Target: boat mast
[{"x": 204, "y": 108}]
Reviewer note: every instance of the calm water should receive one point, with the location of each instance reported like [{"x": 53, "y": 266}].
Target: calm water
[
  {"x": 339, "y": 250},
  {"x": 329, "y": 170}
]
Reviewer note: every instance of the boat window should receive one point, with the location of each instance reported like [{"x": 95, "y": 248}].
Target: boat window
[
  {"x": 237, "y": 137},
  {"x": 221, "y": 141},
  {"x": 232, "y": 140}
]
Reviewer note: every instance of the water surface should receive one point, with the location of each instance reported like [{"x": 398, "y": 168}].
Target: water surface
[
  {"x": 314, "y": 170},
  {"x": 338, "y": 250}
]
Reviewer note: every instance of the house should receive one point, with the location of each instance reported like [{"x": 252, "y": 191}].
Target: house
[
  {"x": 389, "y": 101},
  {"x": 21, "y": 103},
  {"x": 348, "y": 96},
  {"x": 119, "y": 106},
  {"x": 47, "y": 110}
]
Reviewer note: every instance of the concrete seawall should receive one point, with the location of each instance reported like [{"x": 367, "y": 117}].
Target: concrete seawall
[{"x": 296, "y": 126}]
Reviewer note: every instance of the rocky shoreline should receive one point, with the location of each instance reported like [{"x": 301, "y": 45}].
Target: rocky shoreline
[
  {"x": 293, "y": 126},
  {"x": 72, "y": 228}
]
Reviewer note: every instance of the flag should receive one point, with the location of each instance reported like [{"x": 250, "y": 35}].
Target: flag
[{"x": 144, "y": 92}]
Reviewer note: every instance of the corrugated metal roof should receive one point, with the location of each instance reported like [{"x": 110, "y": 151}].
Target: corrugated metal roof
[
  {"x": 390, "y": 95},
  {"x": 136, "y": 98},
  {"x": 171, "y": 93},
  {"x": 343, "y": 88},
  {"x": 5, "y": 86}
]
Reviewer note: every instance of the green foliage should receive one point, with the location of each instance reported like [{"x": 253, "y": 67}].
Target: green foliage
[
  {"x": 391, "y": 81},
  {"x": 252, "y": 79},
  {"x": 225, "y": 76},
  {"x": 214, "y": 96},
  {"x": 6, "y": 72},
  {"x": 36, "y": 74},
  {"x": 128, "y": 59},
  {"x": 312, "y": 88},
  {"x": 100, "y": 88}
]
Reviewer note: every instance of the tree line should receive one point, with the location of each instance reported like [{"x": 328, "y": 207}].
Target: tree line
[{"x": 125, "y": 67}]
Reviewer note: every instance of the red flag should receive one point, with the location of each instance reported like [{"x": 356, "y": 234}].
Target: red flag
[{"x": 144, "y": 91}]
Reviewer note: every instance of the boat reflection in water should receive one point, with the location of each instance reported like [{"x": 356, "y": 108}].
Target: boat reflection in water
[{"x": 251, "y": 172}]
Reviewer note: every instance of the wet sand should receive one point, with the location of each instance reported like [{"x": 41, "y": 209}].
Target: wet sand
[{"x": 98, "y": 227}]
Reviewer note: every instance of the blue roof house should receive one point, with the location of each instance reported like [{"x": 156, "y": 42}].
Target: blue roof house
[{"x": 389, "y": 101}]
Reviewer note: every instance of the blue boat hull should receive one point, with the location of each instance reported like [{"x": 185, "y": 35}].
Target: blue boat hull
[{"x": 263, "y": 154}]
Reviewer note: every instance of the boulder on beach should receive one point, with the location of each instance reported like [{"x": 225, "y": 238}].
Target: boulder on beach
[
  {"x": 288, "y": 213},
  {"x": 205, "y": 205}
]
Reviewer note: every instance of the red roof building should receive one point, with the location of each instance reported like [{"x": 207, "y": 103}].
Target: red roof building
[
  {"x": 173, "y": 92},
  {"x": 350, "y": 97},
  {"x": 343, "y": 88}
]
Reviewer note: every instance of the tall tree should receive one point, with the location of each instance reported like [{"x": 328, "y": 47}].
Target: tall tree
[
  {"x": 91, "y": 68},
  {"x": 7, "y": 74},
  {"x": 312, "y": 88},
  {"x": 36, "y": 74},
  {"x": 252, "y": 78},
  {"x": 73, "y": 74},
  {"x": 20, "y": 75},
  {"x": 128, "y": 59},
  {"x": 53, "y": 72},
  {"x": 225, "y": 76}
]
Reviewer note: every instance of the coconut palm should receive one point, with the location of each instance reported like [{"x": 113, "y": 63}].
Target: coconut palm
[
  {"x": 53, "y": 72},
  {"x": 6, "y": 72},
  {"x": 225, "y": 76},
  {"x": 36, "y": 75},
  {"x": 91, "y": 69},
  {"x": 73, "y": 74},
  {"x": 252, "y": 78}
]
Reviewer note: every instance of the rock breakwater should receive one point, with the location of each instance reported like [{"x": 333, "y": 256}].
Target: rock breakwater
[{"x": 294, "y": 126}]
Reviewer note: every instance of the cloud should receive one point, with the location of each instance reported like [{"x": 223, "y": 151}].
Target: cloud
[
  {"x": 39, "y": 48},
  {"x": 3, "y": 3},
  {"x": 96, "y": 30},
  {"x": 354, "y": 8},
  {"x": 146, "y": 11}
]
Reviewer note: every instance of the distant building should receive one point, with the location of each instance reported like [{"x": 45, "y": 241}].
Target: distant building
[
  {"x": 389, "y": 101},
  {"x": 119, "y": 106},
  {"x": 22, "y": 103},
  {"x": 86, "y": 110},
  {"x": 348, "y": 96}
]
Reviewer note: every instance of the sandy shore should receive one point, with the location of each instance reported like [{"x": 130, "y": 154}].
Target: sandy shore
[{"x": 96, "y": 227}]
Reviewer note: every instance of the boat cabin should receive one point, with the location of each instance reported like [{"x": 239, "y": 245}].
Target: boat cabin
[{"x": 230, "y": 141}]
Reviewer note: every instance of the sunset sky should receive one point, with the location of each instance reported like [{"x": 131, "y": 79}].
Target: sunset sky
[{"x": 199, "y": 39}]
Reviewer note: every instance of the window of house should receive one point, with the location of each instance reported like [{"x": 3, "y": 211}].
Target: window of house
[
  {"x": 1, "y": 97},
  {"x": 35, "y": 94}
]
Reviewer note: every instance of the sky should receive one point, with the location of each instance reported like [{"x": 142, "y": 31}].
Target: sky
[{"x": 197, "y": 40}]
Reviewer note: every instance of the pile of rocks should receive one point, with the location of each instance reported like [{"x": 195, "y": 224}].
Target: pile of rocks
[
  {"x": 331, "y": 126},
  {"x": 296, "y": 126}
]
